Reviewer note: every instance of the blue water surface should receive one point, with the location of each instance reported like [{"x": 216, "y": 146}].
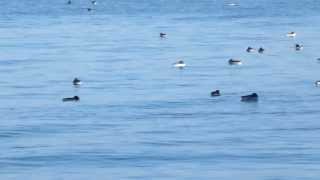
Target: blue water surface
[{"x": 139, "y": 117}]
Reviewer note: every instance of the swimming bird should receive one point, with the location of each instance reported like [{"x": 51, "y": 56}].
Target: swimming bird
[
  {"x": 163, "y": 35},
  {"x": 215, "y": 93},
  {"x": 317, "y": 83},
  {"x": 235, "y": 62},
  {"x": 69, "y": 2},
  {"x": 291, "y": 34},
  {"x": 76, "y": 82},
  {"x": 179, "y": 64},
  {"x": 298, "y": 47},
  {"x": 94, "y": 2},
  {"x": 89, "y": 9},
  {"x": 74, "y": 98},
  {"x": 252, "y": 97},
  {"x": 250, "y": 49},
  {"x": 261, "y": 50}
]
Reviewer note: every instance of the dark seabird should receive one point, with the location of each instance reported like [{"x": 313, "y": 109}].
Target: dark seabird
[
  {"x": 298, "y": 47},
  {"x": 215, "y": 93},
  {"x": 261, "y": 50},
  {"x": 234, "y": 61},
  {"x": 74, "y": 98},
  {"x": 163, "y": 35},
  {"x": 250, "y": 98}
]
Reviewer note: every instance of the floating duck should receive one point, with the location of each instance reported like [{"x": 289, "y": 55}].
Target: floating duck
[
  {"x": 291, "y": 34},
  {"x": 251, "y": 97},
  {"x": 94, "y": 2},
  {"x": 250, "y": 49},
  {"x": 89, "y": 9},
  {"x": 298, "y": 47},
  {"x": 179, "y": 64},
  {"x": 163, "y": 35},
  {"x": 74, "y": 98},
  {"x": 215, "y": 93},
  {"x": 260, "y": 50},
  {"x": 317, "y": 83},
  {"x": 235, "y": 62},
  {"x": 76, "y": 82}
]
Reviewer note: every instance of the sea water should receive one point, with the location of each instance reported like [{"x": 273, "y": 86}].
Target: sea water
[{"x": 141, "y": 118}]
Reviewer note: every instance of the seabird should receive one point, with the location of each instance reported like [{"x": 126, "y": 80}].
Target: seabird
[
  {"x": 163, "y": 35},
  {"x": 261, "y": 50},
  {"x": 251, "y": 97},
  {"x": 215, "y": 93},
  {"x": 235, "y": 61},
  {"x": 179, "y": 64},
  {"x": 74, "y": 98},
  {"x": 298, "y": 47},
  {"x": 76, "y": 82},
  {"x": 291, "y": 34},
  {"x": 250, "y": 49}
]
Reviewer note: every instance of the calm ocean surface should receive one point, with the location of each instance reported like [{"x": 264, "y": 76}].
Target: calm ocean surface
[{"x": 141, "y": 118}]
